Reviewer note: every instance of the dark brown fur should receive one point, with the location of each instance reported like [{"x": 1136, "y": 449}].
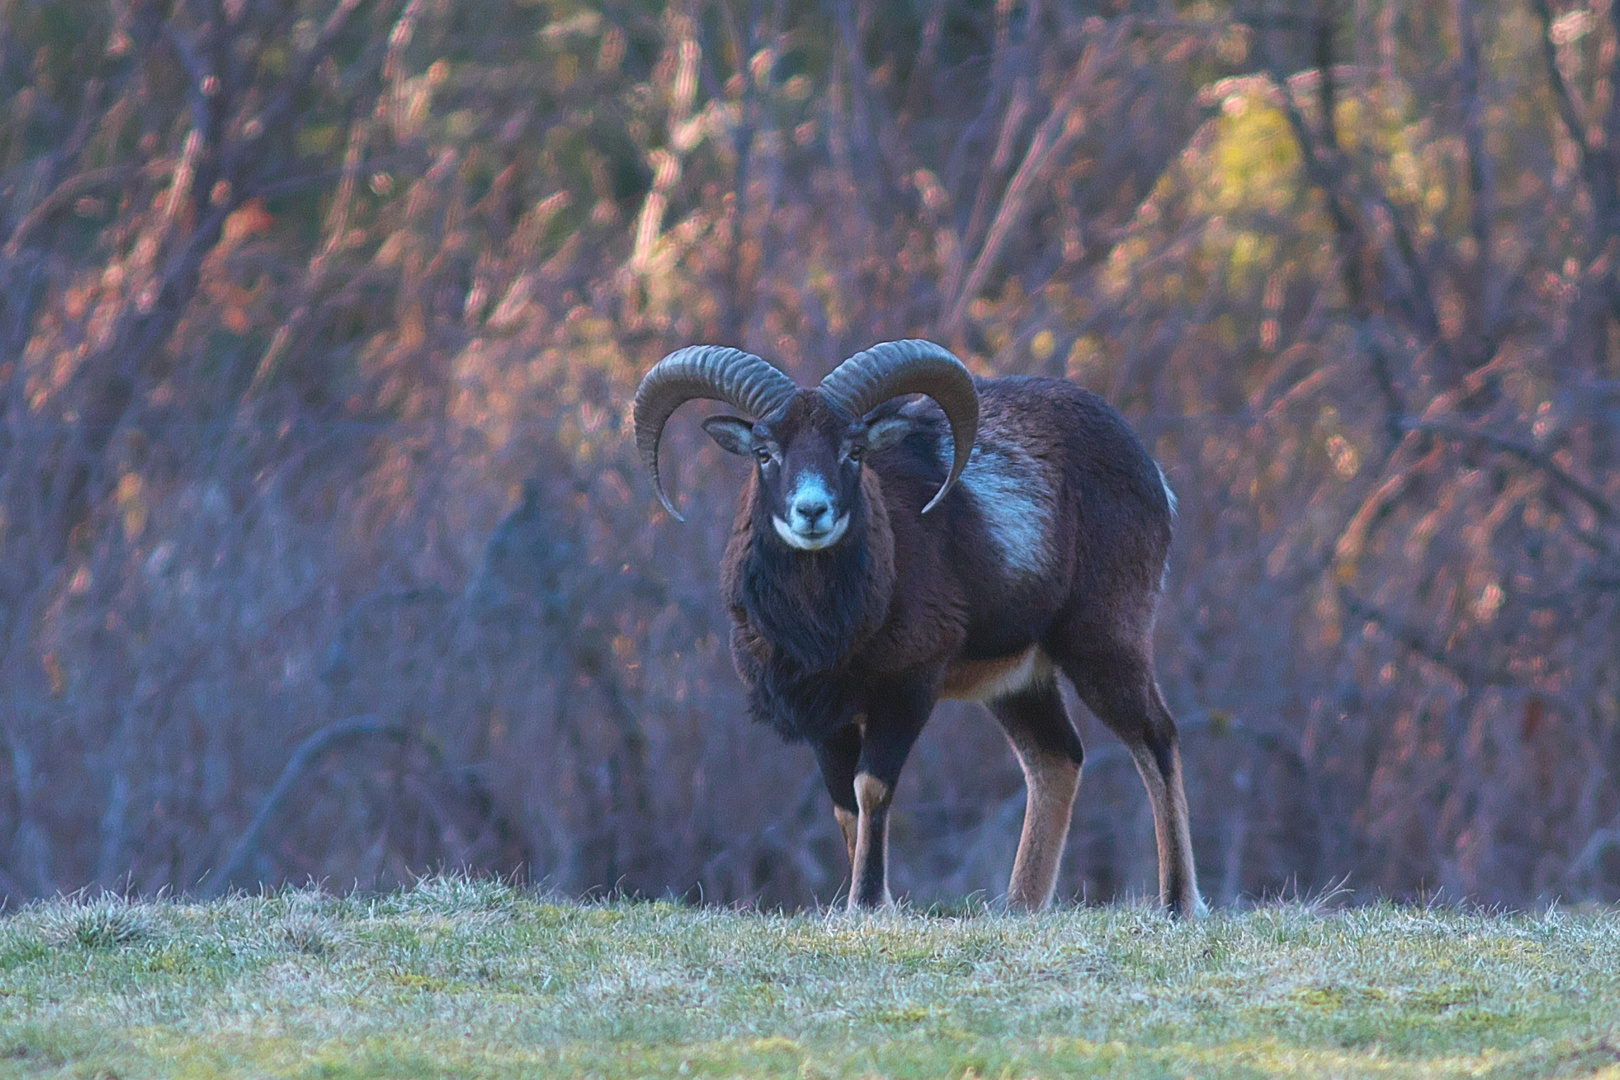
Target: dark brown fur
[{"x": 849, "y": 647}]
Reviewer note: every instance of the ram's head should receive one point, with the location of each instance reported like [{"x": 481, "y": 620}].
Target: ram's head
[{"x": 808, "y": 443}]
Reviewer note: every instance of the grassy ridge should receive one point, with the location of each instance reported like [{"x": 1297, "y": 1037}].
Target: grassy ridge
[{"x": 463, "y": 978}]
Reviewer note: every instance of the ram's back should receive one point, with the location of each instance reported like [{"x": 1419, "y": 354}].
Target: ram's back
[{"x": 1060, "y": 508}]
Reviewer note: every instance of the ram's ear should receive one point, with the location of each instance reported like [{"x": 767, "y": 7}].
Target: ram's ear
[
  {"x": 888, "y": 430},
  {"x": 732, "y": 434}
]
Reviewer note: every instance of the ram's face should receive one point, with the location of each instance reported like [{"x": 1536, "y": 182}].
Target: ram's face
[{"x": 809, "y": 459}]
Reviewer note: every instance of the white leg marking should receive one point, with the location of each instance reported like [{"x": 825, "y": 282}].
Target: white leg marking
[
  {"x": 1050, "y": 782},
  {"x": 871, "y": 858}
]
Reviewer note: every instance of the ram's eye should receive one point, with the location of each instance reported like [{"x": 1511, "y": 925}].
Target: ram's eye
[
  {"x": 855, "y": 453},
  {"x": 762, "y": 454}
]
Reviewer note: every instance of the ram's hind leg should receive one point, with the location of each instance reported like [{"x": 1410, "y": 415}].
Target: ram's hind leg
[
  {"x": 1118, "y": 686},
  {"x": 1049, "y": 750}
]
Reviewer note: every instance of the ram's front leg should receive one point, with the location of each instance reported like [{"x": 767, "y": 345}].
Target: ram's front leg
[
  {"x": 894, "y": 718},
  {"x": 839, "y": 756}
]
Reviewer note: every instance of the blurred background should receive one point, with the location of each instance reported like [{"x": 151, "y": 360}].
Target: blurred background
[{"x": 324, "y": 552}]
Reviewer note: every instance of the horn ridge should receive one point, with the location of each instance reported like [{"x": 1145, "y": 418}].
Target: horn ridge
[
  {"x": 911, "y": 366},
  {"x": 742, "y": 380}
]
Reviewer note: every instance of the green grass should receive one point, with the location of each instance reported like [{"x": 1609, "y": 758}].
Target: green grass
[{"x": 475, "y": 979}]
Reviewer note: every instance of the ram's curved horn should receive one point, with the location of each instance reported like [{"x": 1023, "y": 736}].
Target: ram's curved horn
[
  {"x": 868, "y": 379},
  {"x": 740, "y": 379}
]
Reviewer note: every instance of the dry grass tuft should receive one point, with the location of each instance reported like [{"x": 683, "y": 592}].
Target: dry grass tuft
[{"x": 102, "y": 922}]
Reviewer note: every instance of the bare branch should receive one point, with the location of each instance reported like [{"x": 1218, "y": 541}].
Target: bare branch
[
  {"x": 1325, "y": 88},
  {"x": 922, "y": 73},
  {"x": 1481, "y": 166},
  {"x": 1596, "y": 162},
  {"x": 1328, "y": 169},
  {"x": 1592, "y": 497},
  {"x": 1415, "y": 641},
  {"x": 1346, "y": 225},
  {"x": 1055, "y": 135},
  {"x": 66, "y": 192},
  {"x": 1384, "y": 376},
  {"x": 337, "y": 227},
  {"x": 285, "y": 94},
  {"x": 333, "y": 736},
  {"x": 1570, "y": 108},
  {"x": 204, "y": 84}
]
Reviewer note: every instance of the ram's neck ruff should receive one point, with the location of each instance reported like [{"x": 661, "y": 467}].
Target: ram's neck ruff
[
  {"x": 813, "y": 609},
  {"x": 809, "y": 603}
]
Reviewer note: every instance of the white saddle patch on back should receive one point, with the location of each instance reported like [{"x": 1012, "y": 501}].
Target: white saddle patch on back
[{"x": 1011, "y": 493}]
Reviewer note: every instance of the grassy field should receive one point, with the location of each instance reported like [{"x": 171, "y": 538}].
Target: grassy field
[{"x": 476, "y": 979}]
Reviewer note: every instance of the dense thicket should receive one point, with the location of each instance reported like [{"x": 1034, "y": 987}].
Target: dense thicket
[{"x": 322, "y": 551}]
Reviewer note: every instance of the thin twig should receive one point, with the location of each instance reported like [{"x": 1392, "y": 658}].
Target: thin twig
[{"x": 67, "y": 191}]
